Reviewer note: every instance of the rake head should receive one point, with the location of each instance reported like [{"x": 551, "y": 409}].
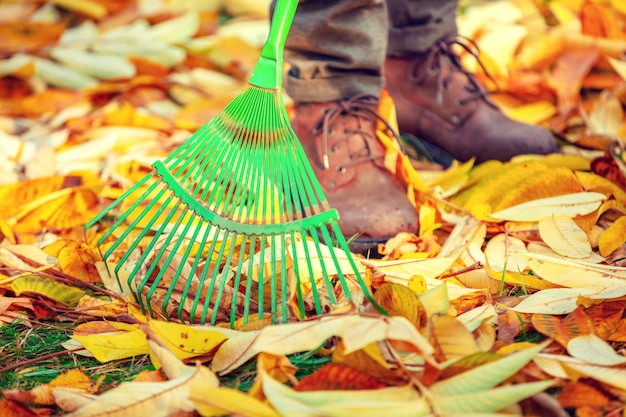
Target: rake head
[{"x": 232, "y": 225}]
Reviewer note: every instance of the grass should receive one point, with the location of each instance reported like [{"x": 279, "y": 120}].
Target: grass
[{"x": 35, "y": 355}]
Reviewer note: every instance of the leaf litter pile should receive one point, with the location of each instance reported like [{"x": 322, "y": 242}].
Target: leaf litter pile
[{"x": 509, "y": 301}]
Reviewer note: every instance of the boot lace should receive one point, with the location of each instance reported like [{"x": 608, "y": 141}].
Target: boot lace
[
  {"x": 436, "y": 59},
  {"x": 361, "y": 106}
]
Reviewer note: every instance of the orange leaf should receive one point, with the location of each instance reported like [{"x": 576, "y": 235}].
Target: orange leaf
[
  {"x": 580, "y": 394},
  {"x": 146, "y": 66},
  {"x": 334, "y": 377},
  {"x": 48, "y": 102},
  {"x": 78, "y": 260},
  {"x": 606, "y": 317},
  {"x": 24, "y": 36},
  {"x": 577, "y": 323},
  {"x": 600, "y": 21},
  {"x": 126, "y": 115},
  {"x": 9, "y": 408}
]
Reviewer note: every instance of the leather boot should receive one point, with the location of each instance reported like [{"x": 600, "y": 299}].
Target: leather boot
[
  {"x": 340, "y": 141},
  {"x": 439, "y": 101}
]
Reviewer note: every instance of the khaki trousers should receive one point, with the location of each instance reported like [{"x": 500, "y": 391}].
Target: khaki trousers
[{"x": 337, "y": 48}]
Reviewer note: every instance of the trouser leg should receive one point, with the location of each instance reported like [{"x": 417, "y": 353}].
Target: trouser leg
[
  {"x": 337, "y": 48},
  {"x": 415, "y": 25}
]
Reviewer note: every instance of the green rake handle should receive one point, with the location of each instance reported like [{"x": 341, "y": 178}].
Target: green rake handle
[{"x": 268, "y": 72}]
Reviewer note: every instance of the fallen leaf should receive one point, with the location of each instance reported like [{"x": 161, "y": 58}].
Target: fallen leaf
[
  {"x": 591, "y": 349},
  {"x": 48, "y": 287},
  {"x": 356, "y": 332},
  {"x": 564, "y": 236},
  {"x": 613, "y": 237},
  {"x": 569, "y": 205}
]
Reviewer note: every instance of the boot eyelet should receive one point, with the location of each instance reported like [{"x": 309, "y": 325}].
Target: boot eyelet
[
  {"x": 332, "y": 150},
  {"x": 331, "y": 185},
  {"x": 459, "y": 102},
  {"x": 454, "y": 119},
  {"x": 341, "y": 170}
]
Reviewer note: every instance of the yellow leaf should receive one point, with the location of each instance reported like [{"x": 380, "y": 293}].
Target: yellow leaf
[
  {"x": 573, "y": 162},
  {"x": 494, "y": 185},
  {"x": 591, "y": 349},
  {"x": 187, "y": 341},
  {"x": 453, "y": 339},
  {"x": 547, "y": 183},
  {"x": 595, "y": 183},
  {"x": 218, "y": 401},
  {"x": 613, "y": 237},
  {"x": 48, "y": 287},
  {"x": 90, "y": 8},
  {"x": 107, "y": 347},
  {"x": 532, "y": 113},
  {"x": 564, "y": 236},
  {"x": 517, "y": 279},
  {"x": 567, "y": 205},
  {"x": 398, "y": 300},
  {"x": 453, "y": 179},
  {"x": 417, "y": 284}
]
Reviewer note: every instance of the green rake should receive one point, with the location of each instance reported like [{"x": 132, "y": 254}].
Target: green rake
[{"x": 233, "y": 225}]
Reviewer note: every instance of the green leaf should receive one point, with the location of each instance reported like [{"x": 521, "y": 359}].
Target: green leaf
[
  {"x": 486, "y": 376},
  {"x": 48, "y": 287},
  {"x": 491, "y": 400}
]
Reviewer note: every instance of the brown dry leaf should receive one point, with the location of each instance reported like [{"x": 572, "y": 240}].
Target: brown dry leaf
[
  {"x": 157, "y": 399},
  {"x": 14, "y": 308},
  {"x": 567, "y": 77},
  {"x": 42, "y": 394},
  {"x": 355, "y": 331},
  {"x": 606, "y": 116}
]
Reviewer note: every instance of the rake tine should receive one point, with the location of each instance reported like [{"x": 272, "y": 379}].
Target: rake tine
[{"x": 239, "y": 187}]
